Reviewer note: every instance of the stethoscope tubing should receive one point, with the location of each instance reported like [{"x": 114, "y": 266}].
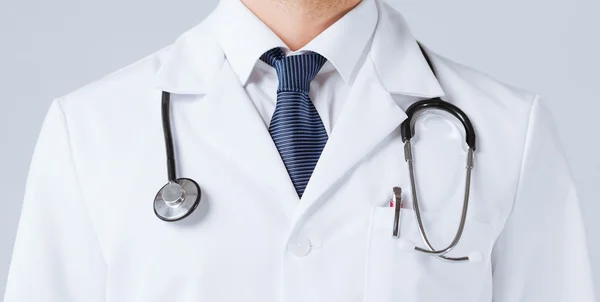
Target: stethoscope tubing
[{"x": 166, "y": 122}]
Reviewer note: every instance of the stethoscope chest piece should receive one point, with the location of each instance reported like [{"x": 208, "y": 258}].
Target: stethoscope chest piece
[{"x": 177, "y": 199}]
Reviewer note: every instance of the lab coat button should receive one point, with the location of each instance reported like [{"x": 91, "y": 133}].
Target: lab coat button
[{"x": 300, "y": 247}]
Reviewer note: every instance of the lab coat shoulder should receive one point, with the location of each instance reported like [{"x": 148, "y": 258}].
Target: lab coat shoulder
[
  {"x": 119, "y": 88},
  {"x": 108, "y": 117},
  {"x": 500, "y": 114},
  {"x": 543, "y": 241},
  {"x": 541, "y": 252},
  {"x": 84, "y": 149},
  {"x": 118, "y": 115},
  {"x": 57, "y": 256}
]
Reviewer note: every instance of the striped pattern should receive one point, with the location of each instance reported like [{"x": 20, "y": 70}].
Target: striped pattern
[{"x": 296, "y": 127}]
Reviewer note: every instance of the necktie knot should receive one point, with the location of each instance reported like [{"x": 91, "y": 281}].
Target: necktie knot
[{"x": 294, "y": 72}]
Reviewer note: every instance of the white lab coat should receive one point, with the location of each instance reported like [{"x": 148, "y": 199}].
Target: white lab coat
[{"x": 88, "y": 231}]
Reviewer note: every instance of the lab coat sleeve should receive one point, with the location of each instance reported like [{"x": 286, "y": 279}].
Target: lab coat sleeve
[
  {"x": 56, "y": 257},
  {"x": 541, "y": 254}
]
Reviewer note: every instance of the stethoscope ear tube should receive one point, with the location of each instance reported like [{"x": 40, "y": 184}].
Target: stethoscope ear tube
[{"x": 407, "y": 127}]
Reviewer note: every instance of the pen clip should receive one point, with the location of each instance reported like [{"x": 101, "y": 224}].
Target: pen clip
[{"x": 397, "y": 201}]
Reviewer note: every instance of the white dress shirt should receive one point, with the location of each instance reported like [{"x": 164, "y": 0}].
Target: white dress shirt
[{"x": 245, "y": 38}]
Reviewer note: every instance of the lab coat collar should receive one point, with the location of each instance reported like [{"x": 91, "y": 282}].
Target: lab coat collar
[
  {"x": 191, "y": 63},
  {"x": 398, "y": 60}
]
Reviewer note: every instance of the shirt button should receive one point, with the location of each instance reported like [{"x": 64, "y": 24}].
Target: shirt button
[{"x": 300, "y": 247}]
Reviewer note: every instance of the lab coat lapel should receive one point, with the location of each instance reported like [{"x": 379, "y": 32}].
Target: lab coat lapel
[
  {"x": 394, "y": 65},
  {"x": 371, "y": 115},
  {"x": 234, "y": 126}
]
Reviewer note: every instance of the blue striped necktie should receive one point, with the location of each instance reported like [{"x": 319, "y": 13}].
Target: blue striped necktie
[{"x": 296, "y": 127}]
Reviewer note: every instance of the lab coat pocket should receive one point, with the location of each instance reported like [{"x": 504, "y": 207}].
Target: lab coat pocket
[{"x": 395, "y": 272}]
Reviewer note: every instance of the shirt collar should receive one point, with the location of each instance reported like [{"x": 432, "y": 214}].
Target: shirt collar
[{"x": 244, "y": 38}]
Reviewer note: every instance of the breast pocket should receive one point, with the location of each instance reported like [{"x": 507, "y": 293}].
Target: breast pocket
[{"x": 397, "y": 273}]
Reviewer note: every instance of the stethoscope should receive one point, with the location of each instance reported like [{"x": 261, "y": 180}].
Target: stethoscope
[
  {"x": 407, "y": 129},
  {"x": 181, "y": 196}
]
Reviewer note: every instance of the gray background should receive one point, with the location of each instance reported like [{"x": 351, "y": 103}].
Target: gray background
[{"x": 48, "y": 48}]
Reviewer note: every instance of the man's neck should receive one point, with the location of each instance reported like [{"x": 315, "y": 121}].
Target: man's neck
[{"x": 297, "y": 22}]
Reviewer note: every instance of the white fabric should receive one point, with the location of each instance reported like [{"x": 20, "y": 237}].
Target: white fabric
[
  {"x": 88, "y": 231},
  {"x": 245, "y": 38}
]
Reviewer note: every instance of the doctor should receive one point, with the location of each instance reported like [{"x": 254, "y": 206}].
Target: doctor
[{"x": 297, "y": 220}]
